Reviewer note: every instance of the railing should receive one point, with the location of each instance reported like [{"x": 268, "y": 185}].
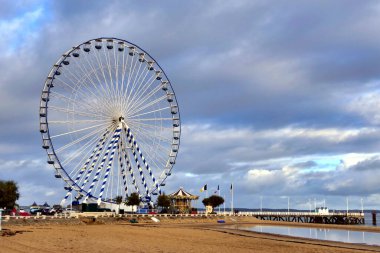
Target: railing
[{"x": 199, "y": 214}]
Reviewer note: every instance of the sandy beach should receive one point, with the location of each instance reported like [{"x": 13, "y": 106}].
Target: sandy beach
[{"x": 170, "y": 235}]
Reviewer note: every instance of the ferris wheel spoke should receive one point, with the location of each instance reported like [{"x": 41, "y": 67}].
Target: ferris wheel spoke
[
  {"x": 123, "y": 66},
  {"x": 134, "y": 75},
  {"x": 154, "y": 157},
  {"x": 78, "y": 130},
  {"x": 136, "y": 83},
  {"x": 81, "y": 154},
  {"x": 151, "y": 153},
  {"x": 145, "y": 113},
  {"x": 136, "y": 124},
  {"x": 137, "y": 109},
  {"x": 68, "y": 111},
  {"x": 141, "y": 97},
  {"x": 130, "y": 75},
  {"x": 96, "y": 131},
  {"x": 152, "y": 134},
  {"x": 105, "y": 80},
  {"x": 79, "y": 80},
  {"x": 83, "y": 121},
  {"x": 87, "y": 75},
  {"x": 84, "y": 105},
  {"x": 144, "y": 88},
  {"x": 93, "y": 153},
  {"x": 140, "y": 84},
  {"x": 108, "y": 62},
  {"x": 79, "y": 151},
  {"x": 94, "y": 70}
]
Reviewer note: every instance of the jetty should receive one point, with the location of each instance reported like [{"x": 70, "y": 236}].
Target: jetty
[{"x": 312, "y": 217}]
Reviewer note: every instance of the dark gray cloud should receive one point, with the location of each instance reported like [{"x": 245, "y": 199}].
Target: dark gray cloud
[{"x": 268, "y": 90}]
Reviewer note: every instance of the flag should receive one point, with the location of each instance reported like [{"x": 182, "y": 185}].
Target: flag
[
  {"x": 217, "y": 190},
  {"x": 204, "y": 188},
  {"x": 231, "y": 188}
]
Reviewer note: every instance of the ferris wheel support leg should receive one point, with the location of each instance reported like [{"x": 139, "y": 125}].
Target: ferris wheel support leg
[
  {"x": 83, "y": 169},
  {"x": 93, "y": 164},
  {"x": 113, "y": 142},
  {"x": 136, "y": 147},
  {"x": 128, "y": 164},
  {"x": 109, "y": 165},
  {"x": 138, "y": 166},
  {"x": 122, "y": 168},
  {"x": 94, "y": 152}
]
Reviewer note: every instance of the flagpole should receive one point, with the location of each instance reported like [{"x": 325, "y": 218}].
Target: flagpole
[
  {"x": 224, "y": 205},
  {"x": 232, "y": 199},
  {"x": 219, "y": 196}
]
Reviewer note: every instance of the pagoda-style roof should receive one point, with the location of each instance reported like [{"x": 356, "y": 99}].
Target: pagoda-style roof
[{"x": 182, "y": 194}]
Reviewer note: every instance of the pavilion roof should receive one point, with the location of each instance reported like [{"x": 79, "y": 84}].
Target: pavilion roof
[{"x": 182, "y": 194}]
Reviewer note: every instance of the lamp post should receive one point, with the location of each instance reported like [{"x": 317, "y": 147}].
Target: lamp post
[
  {"x": 361, "y": 200},
  {"x": 224, "y": 205},
  {"x": 261, "y": 203},
  {"x": 309, "y": 205}
]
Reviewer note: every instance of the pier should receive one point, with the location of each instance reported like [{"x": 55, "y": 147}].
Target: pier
[{"x": 312, "y": 217}]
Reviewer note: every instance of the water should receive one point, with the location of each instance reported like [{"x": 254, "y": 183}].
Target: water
[{"x": 370, "y": 238}]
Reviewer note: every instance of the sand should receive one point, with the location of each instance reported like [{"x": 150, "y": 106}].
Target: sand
[{"x": 170, "y": 235}]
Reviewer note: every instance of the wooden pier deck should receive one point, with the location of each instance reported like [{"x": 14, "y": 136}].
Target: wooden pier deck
[{"x": 312, "y": 217}]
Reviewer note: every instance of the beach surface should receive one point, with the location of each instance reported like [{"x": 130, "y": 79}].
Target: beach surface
[{"x": 169, "y": 235}]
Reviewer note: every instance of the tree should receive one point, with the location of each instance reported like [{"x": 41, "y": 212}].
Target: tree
[
  {"x": 213, "y": 201},
  {"x": 133, "y": 200},
  {"x": 118, "y": 200},
  {"x": 8, "y": 194},
  {"x": 163, "y": 201}
]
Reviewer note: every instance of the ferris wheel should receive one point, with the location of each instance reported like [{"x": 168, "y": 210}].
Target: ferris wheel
[{"x": 109, "y": 121}]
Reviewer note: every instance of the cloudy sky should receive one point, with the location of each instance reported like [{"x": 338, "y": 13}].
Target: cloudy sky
[{"x": 279, "y": 97}]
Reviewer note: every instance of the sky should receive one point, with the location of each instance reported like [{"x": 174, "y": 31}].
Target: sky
[{"x": 280, "y": 98}]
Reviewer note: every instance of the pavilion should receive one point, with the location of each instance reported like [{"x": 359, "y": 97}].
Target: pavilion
[{"x": 181, "y": 200}]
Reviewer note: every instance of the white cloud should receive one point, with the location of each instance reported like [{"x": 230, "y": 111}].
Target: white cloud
[{"x": 19, "y": 30}]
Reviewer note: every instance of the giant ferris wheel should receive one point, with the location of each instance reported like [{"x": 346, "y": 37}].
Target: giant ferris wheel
[{"x": 109, "y": 121}]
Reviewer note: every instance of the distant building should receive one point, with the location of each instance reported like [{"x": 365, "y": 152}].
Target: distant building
[
  {"x": 181, "y": 200},
  {"x": 322, "y": 210}
]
